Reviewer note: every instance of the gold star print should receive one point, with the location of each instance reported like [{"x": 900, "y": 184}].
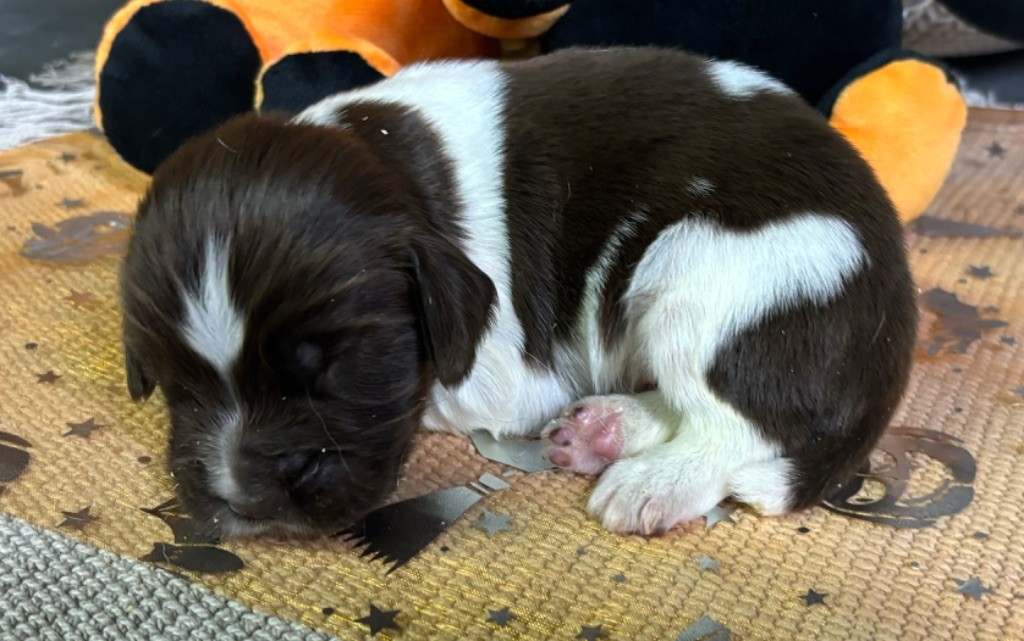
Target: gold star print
[
  {"x": 81, "y": 299},
  {"x": 48, "y": 377}
]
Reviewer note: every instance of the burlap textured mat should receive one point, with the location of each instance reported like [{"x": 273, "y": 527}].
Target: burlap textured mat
[{"x": 936, "y": 552}]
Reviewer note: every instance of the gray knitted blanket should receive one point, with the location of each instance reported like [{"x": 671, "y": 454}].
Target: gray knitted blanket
[{"x": 55, "y": 588}]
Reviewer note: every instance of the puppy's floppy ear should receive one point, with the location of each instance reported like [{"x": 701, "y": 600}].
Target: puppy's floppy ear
[
  {"x": 140, "y": 385},
  {"x": 455, "y": 300}
]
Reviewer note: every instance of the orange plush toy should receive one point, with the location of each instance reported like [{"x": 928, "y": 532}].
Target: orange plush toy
[{"x": 169, "y": 69}]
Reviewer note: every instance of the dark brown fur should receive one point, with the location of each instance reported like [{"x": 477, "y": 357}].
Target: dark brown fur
[
  {"x": 595, "y": 136},
  {"x": 346, "y": 269}
]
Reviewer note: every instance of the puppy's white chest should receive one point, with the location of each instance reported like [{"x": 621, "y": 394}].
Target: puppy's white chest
[{"x": 502, "y": 395}]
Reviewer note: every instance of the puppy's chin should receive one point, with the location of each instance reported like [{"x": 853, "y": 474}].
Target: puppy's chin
[
  {"x": 214, "y": 518},
  {"x": 223, "y": 524},
  {"x": 226, "y": 525}
]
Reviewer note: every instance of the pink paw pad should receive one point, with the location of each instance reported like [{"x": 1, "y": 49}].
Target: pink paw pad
[{"x": 587, "y": 438}]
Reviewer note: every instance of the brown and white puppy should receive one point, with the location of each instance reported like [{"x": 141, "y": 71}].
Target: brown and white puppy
[{"x": 678, "y": 251}]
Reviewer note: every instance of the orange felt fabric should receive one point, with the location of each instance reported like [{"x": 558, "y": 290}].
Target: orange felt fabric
[
  {"x": 388, "y": 34},
  {"x": 906, "y": 119}
]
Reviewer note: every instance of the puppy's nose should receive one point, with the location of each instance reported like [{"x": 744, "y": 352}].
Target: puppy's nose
[
  {"x": 268, "y": 506},
  {"x": 304, "y": 471}
]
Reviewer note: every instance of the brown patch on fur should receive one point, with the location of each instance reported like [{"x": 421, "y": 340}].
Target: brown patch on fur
[{"x": 594, "y": 137}]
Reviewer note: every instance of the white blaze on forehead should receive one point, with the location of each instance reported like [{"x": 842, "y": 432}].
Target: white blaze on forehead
[
  {"x": 213, "y": 327},
  {"x": 737, "y": 80},
  {"x": 221, "y": 461}
]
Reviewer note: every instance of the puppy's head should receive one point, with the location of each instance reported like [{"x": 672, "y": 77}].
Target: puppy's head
[{"x": 283, "y": 291}]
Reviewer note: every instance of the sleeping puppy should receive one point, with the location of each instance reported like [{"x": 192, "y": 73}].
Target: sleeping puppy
[{"x": 670, "y": 267}]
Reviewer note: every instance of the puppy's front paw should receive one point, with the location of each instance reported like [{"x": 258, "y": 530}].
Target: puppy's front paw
[
  {"x": 650, "y": 495},
  {"x": 587, "y": 437}
]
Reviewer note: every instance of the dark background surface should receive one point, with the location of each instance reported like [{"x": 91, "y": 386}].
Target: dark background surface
[{"x": 34, "y": 32}]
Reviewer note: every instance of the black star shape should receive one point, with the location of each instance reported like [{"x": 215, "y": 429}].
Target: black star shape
[
  {"x": 982, "y": 272},
  {"x": 971, "y": 587},
  {"x": 380, "y": 619},
  {"x": 67, "y": 156},
  {"x": 71, "y": 203},
  {"x": 83, "y": 429},
  {"x": 77, "y": 520},
  {"x": 591, "y": 633},
  {"x": 814, "y": 598},
  {"x": 48, "y": 377},
  {"x": 995, "y": 150},
  {"x": 619, "y": 578},
  {"x": 1008, "y": 340},
  {"x": 501, "y": 617}
]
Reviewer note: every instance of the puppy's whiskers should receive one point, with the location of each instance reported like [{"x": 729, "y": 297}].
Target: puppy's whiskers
[{"x": 327, "y": 433}]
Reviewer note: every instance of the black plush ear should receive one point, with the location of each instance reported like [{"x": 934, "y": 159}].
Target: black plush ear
[
  {"x": 140, "y": 385},
  {"x": 455, "y": 300}
]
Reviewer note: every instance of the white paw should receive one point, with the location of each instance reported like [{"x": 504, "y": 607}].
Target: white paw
[{"x": 652, "y": 494}]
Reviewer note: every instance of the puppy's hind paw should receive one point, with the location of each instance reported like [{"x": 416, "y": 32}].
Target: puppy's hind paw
[
  {"x": 650, "y": 495},
  {"x": 587, "y": 437}
]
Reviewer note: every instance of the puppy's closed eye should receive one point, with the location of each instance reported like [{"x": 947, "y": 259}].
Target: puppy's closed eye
[{"x": 299, "y": 363}]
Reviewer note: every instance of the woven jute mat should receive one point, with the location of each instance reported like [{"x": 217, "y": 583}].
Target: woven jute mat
[{"x": 937, "y": 523}]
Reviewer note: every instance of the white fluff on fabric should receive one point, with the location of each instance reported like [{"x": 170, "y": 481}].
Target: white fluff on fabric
[{"x": 56, "y": 101}]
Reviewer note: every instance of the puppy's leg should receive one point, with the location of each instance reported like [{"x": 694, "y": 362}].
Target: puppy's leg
[
  {"x": 599, "y": 430},
  {"x": 713, "y": 453}
]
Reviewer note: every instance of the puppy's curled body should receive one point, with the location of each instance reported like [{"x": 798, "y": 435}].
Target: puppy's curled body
[{"x": 680, "y": 243}]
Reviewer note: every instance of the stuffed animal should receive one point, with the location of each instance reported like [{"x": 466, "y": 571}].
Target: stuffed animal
[
  {"x": 903, "y": 111},
  {"x": 168, "y": 69}
]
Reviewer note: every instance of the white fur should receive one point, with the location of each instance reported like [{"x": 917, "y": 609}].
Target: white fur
[
  {"x": 697, "y": 286},
  {"x": 463, "y": 101},
  {"x": 712, "y": 283},
  {"x": 215, "y": 330},
  {"x": 700, "y": 187},
  {"x": 741, "y": 81},
  {"x": 222, "y": 454},
  {"x": 213, "y": 326},
  {"x": 602, "y": 370}
]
